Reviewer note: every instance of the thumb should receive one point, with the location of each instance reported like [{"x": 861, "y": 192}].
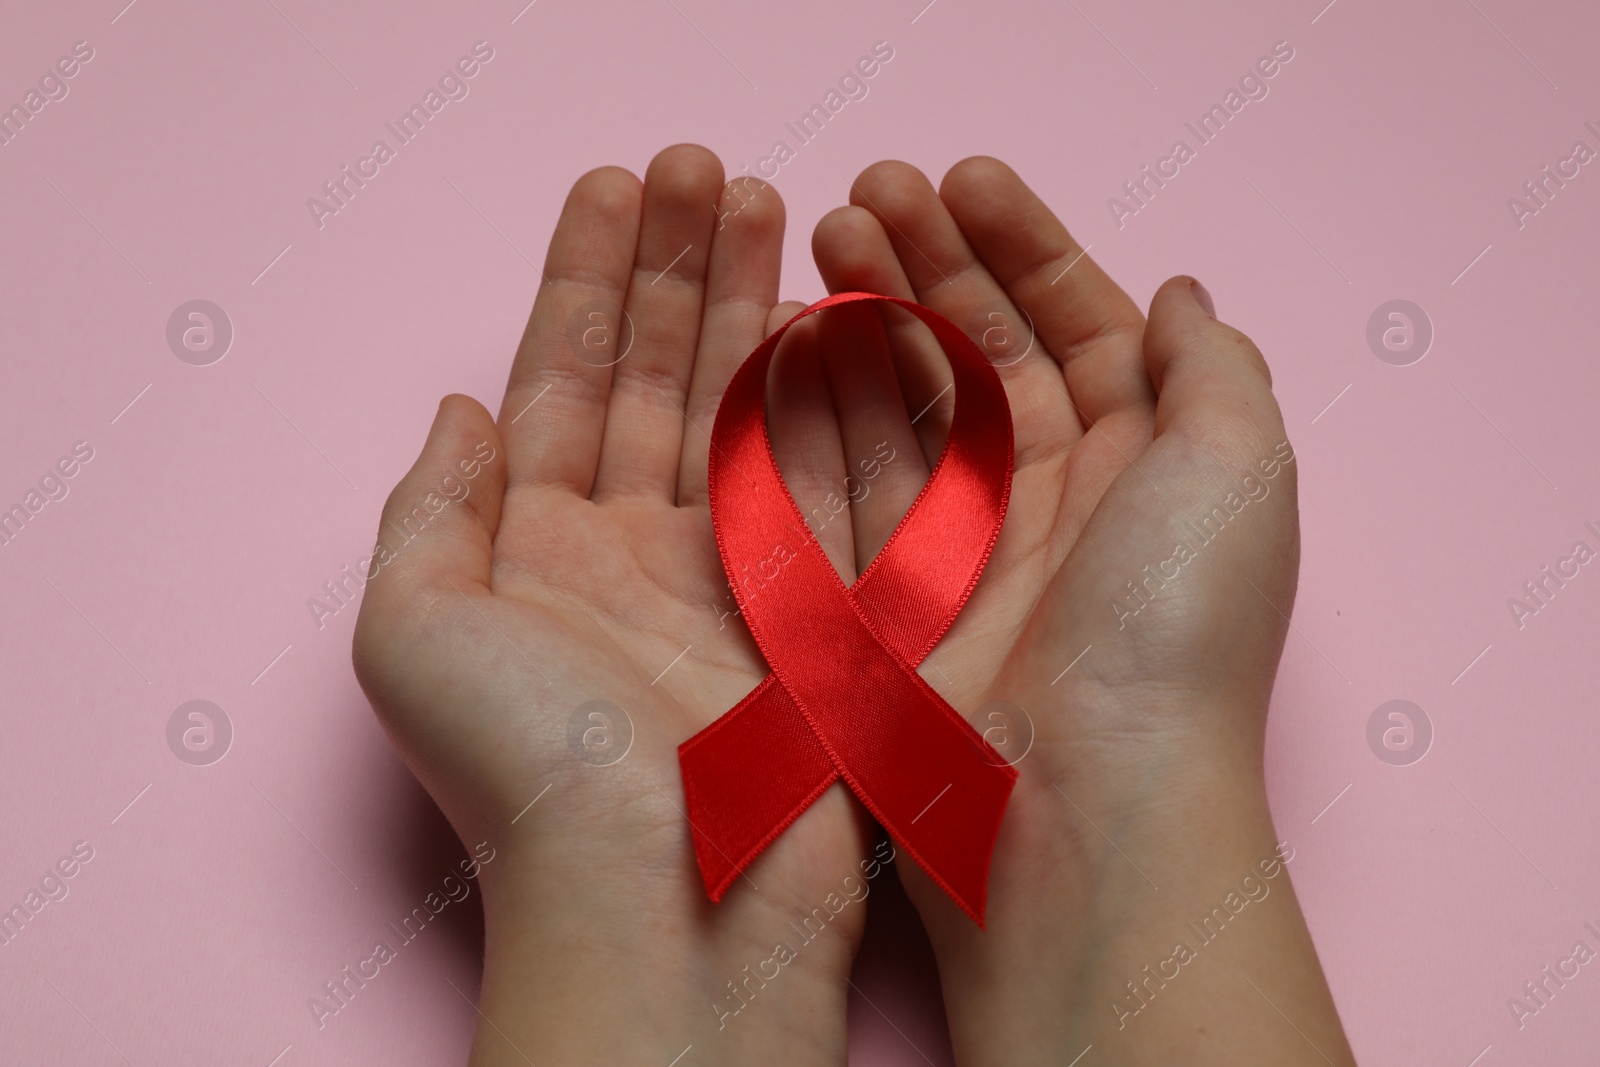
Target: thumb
[
  {"x": 1213, "y": 385},
  {"x": 1214, "y": 397},
  {"x": 436, "y": 536}
]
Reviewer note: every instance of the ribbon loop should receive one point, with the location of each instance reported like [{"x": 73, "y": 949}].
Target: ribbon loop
[{"x": 844, "y": 698}]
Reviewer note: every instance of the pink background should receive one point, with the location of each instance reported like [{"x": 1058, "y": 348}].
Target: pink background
[{"x": 178, "y": 168}]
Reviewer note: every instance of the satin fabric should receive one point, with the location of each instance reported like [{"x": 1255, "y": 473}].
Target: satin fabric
[{"x": 844, "y": 698}]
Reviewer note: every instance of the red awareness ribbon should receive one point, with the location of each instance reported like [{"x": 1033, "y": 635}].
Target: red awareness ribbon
[{"x": 843, "y": 698}]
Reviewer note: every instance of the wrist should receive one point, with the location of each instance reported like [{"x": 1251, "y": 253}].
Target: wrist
[
  {"x": 604, "y": 965},
  {"x": 1123, "y": 842},
  {"x": 1094, "y": 870}
]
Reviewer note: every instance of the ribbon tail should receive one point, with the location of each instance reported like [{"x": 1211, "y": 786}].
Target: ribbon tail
[
  {"x": 746, "y": 777},
  {"x": 953, "y": 838}
]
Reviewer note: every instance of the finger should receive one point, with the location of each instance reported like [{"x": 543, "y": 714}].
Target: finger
[
  {"x": 437, "y": 532},
  {"x": 1212, "y": 382},
  {"x": 644, "y": 428},
  {"x": 853, "y": 254},
  {"x": 780, "y": 315},
  {"x": 874, "y": 428},
  {"x": 553, "y": 415},
  {"x": 741, "y": 288},
  {"x": 1084, "y": 319},
  {"x": 949, "y": 278},
  {"x": 805, "y": 442}
]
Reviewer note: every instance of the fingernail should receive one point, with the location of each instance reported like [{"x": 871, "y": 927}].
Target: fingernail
[{"x": 1202, "y": 297}]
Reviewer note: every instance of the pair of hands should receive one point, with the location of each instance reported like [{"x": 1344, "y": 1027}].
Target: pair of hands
[{"x": 581, "y": 565}]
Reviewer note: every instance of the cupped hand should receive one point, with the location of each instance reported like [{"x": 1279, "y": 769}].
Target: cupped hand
[
  {"x": 1122, "y": 643},
  {"x": 580, "y": 566}
]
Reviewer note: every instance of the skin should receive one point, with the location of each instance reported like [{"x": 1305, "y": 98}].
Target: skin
[{"x": 582, "y": 563}]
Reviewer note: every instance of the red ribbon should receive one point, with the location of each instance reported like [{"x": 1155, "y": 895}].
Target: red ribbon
[{"x": 844, "y": 698}]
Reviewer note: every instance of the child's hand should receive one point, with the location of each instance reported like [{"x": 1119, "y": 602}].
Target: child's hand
[
  {"x": 581, "y": 566},
  {"x": 1135, "y": 606}
]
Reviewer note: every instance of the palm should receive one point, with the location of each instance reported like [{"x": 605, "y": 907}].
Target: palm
[
  {"x": 1052, "y": 497},
  {"x": 622, "y": 603}
]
